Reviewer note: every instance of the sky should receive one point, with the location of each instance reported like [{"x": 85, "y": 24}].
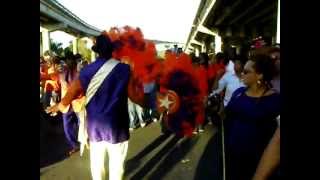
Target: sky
[{"x": 167, "y": 20}]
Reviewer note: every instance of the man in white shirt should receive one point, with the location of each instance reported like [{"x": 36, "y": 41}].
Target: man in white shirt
[
  {"x": 230, "y": 81},
  {"x": 230, "y": 67}
]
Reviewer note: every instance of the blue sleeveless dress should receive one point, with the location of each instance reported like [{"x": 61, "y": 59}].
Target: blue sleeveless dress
[{"x": 249, "y": 125}]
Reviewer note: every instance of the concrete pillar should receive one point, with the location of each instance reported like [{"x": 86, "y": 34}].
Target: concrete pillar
[
  {"x": 90, "y": 42},
  {"x": 218, "y": 43},
  {"x": 93, "y": 56},
  {"x": 45, "y": 36},
  {"x": 75, "y": 45},
  {"x": 278, "y": 23},
  {"x": 238, "y": 48},
  {"x": 203, "y": 47},
  {"x": 197, "y": 51}
]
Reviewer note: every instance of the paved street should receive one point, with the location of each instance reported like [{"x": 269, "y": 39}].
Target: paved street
[{"x": 150, "y": 156}]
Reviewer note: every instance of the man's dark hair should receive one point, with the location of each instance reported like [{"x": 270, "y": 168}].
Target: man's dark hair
[
  {"x": 204, "y": 59},
  {"x": 103, "y": 46},
  {"x": 220, "y": 57},
  {"x": 77, "y": 56}
]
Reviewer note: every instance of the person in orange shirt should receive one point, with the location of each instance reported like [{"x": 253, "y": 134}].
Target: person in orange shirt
[{"x": 50, "y": 80}]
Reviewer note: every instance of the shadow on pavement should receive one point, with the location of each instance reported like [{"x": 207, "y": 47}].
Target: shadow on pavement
[
  {"x": 53, "y": 144},
  {"x": 210, "y": 163},
  {"x": 155, "y": 159},
  {"x": 175, "y": 156},
  {"x": 134, "y": 162}
]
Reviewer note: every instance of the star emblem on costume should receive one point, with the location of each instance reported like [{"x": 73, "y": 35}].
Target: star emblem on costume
[
  {"x": 165, "y": 102},
  {"x": 168, "y": 101}
]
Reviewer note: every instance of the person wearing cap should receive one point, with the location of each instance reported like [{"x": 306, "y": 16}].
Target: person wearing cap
[{"x": 105, "y": 84}]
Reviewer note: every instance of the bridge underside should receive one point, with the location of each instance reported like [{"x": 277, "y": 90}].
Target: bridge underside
[{"x": 236, "y": 22}]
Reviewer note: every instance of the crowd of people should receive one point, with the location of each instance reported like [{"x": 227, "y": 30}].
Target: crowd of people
[
  {"x": 249, "y": 92},
  {"x": 243, "y": 93}
]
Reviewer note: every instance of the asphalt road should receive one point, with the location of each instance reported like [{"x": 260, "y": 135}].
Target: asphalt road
[{"x": 150, "y": 156}]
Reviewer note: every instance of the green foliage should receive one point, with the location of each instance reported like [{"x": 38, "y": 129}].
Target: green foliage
[
  {"x": 56, "y": 47},
  {"x": 83, "y": 50}
]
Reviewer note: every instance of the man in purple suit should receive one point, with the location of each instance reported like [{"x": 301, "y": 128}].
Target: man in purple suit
[{"x": 105, "y": 83}]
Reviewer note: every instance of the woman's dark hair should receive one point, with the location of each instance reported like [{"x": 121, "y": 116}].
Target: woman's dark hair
[
  {"x": 265, "y": 51},
  {"x": 263, "y": 64},
  {"x": 274, "y": 50}
]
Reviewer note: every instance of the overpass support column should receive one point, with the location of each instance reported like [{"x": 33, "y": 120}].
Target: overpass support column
[
  {"x": 75, "y": 45},
  {"x": 90, "y": 44},
  {"x": 218, "y": 43},
  {"x": 45, "y": 40},
  {"x": 93, "y": 56},
  {"x": 197, "y": 52},
  {"x": 203, "y": 47}
]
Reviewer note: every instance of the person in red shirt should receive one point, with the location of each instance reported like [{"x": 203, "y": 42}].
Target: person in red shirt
[{"x": 202, "y": 73}]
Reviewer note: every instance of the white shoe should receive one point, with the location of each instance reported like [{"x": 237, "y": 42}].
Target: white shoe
[
  {"x": 201, "y": 130},
  {"x": 185, "y": 160},
  {"x": 130, "y": 129},
  {"x": 155, "y": 119},
  {"x": 143, "y": 125}
]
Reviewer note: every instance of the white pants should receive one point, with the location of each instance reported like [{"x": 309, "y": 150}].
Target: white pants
[
  {"x": 117, "y": 154},
  {"x": 82, "y": 132}
]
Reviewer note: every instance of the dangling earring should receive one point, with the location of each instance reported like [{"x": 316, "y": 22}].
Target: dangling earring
[{"x": 259, "y": 82}]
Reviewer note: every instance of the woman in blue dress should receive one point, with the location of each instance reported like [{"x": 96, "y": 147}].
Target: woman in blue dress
[{"x": 250, "y": 118}]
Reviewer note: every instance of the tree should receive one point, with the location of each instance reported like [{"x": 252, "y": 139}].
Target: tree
[
  {"x": 68, "y": 49},
  {"x": 56, "y": 47}
]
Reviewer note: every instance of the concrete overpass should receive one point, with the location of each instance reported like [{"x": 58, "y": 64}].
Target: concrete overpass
[
  {"x": 223, "y": 24},
  {"x": 54, "y": 16}
]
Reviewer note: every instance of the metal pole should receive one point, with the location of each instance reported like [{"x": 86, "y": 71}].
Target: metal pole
[
  {"x": 278, "y": 23},
  {"x": 223, "y": 151}
]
